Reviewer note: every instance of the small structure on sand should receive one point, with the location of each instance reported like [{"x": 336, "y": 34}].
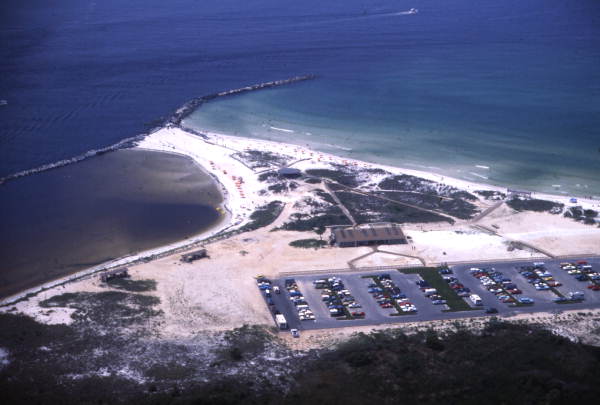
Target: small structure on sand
[
  {"x": 368, "y": 235},
  {"x": 518, "y": 193},
  {"x": 289, "y": 172},
  {"x": 193, "y": 256},
  {"x": 113, "y": 274}
]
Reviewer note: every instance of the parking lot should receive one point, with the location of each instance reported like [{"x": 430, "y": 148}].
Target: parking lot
[
  {"x": 543, "y": 299},
  {"x": 310, "y": 302}
]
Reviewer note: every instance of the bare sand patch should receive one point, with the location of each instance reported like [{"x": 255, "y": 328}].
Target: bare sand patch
[
  {"x": 554, "y": 233},
  {"x": 462, "y": 244},
  {"x": 385, "y": 259}
]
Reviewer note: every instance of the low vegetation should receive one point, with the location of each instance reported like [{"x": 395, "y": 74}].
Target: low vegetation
[
  {"x": 367, "y": 209},
  {"x": 522, "y": 362},
  {"x": 332, "y": 215},
  {"x": 283, "y": 187},
  {"x": 308, "y": 243},
  {"x": 519, "y": 204},
  {"x": 579, "y": 214},
  {"x": 130, "y": 285},
  {"x": 257, "y": 159},
  {"x": 491, "y": 195},
  {"x": 345, "y": 177},
  {"x": 263, "y": 216},
  {"x": 405, "y": 182},
  {"x": 110, "y": 309}
]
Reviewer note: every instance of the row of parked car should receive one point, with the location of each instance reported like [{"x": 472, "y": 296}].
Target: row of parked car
[
  {"x": 296, "y": 297},
  {"x": 537, "y": 275},
  {"x": 432, "y": 293},
  {"x": 338, "y": 299},
  {"x": 583, "y": 271},
  {"x": 499, "y": 285},
  {"x": 457, "y": 286},
  {"x": 388, "y": 294}
]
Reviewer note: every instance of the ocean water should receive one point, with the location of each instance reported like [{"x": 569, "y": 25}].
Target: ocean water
[
  {"x": 65, "y": 220},
  {"x": 503, "y": 95}
]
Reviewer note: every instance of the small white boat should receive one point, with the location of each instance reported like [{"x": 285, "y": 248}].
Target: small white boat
[
  {"x": 3, "y": 102},
  {"x": 413, "y": 11}
]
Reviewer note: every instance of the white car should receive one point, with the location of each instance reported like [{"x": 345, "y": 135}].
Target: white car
[{"x": 295, "y": 333}]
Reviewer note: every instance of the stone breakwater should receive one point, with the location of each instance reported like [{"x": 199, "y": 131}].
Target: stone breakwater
[
  {"x": 174, "y": 120},
  {"x": 193, "y": 104},
  {"x": 125, "y": 143}
]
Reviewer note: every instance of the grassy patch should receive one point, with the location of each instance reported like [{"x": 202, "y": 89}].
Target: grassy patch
[
  {"x": 488, "y": 194},
  {"x": 21, "y": 333},
  {"x": 308, "y": 243},
  {"x": 570, "y": 302},
  {"x": 344, "y": 177},
  {"x": 256, "y": 158},
  {"x": 245, "y": 342},
  {"x": 367, "y": 209},
  {"x": 263, "y": 216},
  {"x": 109, "y": 309},
  {"x": 435, "y": 280},
  {"x": 128, "y": 284},
  {"x": 532, "y": 205},
  {"x": 331, "y": 215}
]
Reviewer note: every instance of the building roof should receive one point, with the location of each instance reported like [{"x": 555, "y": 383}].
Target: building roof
[
  {"x": 367, "y": 234},
  {"x": 289, "y": 171},
  {"x": 116, "y": 271}
]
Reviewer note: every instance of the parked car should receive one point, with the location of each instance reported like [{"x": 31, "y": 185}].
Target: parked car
[
  {"x": 491, "y": 310},
  {"x": 295, "y": 333},
  {"x": 526, "y": 300}
]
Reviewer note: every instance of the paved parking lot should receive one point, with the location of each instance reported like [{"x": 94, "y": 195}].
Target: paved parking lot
[
  {"x": 543, "y": 299},
  {"x": 375, "y": 315}
]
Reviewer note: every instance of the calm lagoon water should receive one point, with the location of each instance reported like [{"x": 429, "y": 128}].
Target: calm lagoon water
[{"x": 78, "y": 216}]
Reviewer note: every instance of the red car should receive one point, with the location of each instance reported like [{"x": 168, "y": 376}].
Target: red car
[
  {"x": 594, "y": 287},
  {"x": 387, "y": 305},
  {"x": 554, "y": 283},
  {"x": 358, "y": 314}
]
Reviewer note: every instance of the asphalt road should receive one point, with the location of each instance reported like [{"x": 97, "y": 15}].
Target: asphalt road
[{"x": 426, "y": 311}]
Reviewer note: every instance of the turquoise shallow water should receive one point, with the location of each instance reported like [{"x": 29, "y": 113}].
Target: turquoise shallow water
[{"x": 507, "y": 94}]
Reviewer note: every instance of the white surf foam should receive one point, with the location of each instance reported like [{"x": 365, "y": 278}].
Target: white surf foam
[
  {"x": 478, "y": 175},
  {"x": 338, "y": 147},
  {"x": 483, "y": 167},
  {"x": 281, "y": 129}
]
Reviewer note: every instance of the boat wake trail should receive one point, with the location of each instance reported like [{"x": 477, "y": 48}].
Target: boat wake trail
[{"x": 358, "y": 17}]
